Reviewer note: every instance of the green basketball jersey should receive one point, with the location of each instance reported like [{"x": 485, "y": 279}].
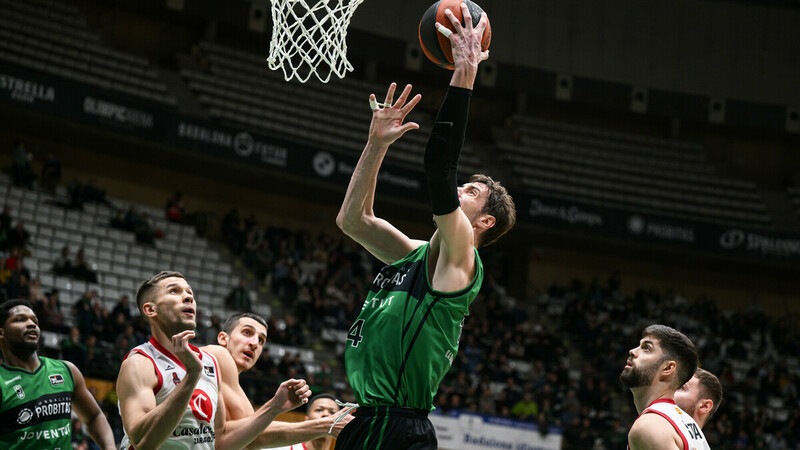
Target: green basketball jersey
[
  {"x": 406, "y": 336},
  {"x": 35, "y": 406}
]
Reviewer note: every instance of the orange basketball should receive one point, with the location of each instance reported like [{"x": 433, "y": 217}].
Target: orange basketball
[{"x": 434, "y": 44}]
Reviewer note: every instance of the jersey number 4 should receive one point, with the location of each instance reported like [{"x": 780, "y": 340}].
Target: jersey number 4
[{"x": 355, "y": 333}]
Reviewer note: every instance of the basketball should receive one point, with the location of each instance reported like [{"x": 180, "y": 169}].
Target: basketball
[{"x": 434, "y": 44}]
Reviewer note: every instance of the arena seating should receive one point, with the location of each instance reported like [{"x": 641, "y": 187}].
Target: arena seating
[
  {"x": 794, "y": 196},
  {"x": 625, "y": 170},
  {"x": 239, "y": 88},
  {"x": 52, "y": 37}
]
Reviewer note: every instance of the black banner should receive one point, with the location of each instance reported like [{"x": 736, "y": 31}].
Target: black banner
[{"x": 113, "y": 111}]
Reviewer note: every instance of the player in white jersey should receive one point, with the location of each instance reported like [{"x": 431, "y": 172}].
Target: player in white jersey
[
  {"x": 194, "y": 407},
  {"x": 700, "y": 396},
  {"x": 241, "y": 342},
  {"x": 664, "y": 360},
  {"x": 319, "y": 407}
]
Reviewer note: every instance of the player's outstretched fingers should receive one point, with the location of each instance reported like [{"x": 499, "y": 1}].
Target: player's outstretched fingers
[
  {"x": 411, "y": 104},
  {"x": 456, "y": 23},
  {"x": 390, "y": 95},
  {"x": 467, "y": 17},
  {"x": 482, "y": 24},
  {"x": 403, "y": 96},
  {"x": 444, "y": 30}
]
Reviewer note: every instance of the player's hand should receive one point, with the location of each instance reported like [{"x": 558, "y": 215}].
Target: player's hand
[
  {"x": 346, "y": 418},
  {"x": 180, "y": 348},
  {"x": 465, "y": 41},
  {"x": 291, "y": 394},
  {"x": 387, "y": 121}
]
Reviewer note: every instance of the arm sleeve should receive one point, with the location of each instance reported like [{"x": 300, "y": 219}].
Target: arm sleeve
[{"x": 444, "y": 148}]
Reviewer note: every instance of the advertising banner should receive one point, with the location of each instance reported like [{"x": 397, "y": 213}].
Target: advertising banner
[{"x": 466, "y": 431}]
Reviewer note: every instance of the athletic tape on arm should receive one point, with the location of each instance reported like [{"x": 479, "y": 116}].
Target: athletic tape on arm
[{"x": 444, "y": 149}]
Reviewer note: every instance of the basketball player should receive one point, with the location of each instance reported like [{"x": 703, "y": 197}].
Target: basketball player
[
  {"x": 664, "y": 360},
  {"x": 168, "y": 390},
  {"x": 406, "y": 335},
  {"x": 38, "y": 394},
  {"x": 700, "y": 396},
  {"x": 320, "y": 406},
  {"x": 241, "y": 342}
]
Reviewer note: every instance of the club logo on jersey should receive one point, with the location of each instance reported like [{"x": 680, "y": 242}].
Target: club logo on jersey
[
  {"x": 175, "y": 378},
  {"x": 19, "y": 391},
  {"x": 24, "y": 416},
  {"x": 56, "y": 379},
  {"x": 209, "y": 370},
  {"x": 201, "y": 405}
]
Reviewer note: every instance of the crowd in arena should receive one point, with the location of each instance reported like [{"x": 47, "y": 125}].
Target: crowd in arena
[{"x": 553, "y": 360}]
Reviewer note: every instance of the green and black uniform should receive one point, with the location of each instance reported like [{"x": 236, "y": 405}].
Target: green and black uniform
[
  {"x": 35, "y": 406},
  {"x": 398, "y": 351}
]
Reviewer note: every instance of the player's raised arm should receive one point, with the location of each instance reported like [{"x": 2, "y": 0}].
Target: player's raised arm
[
  {"x": 89, "y": 411},
  {"x": 149, "y": 425},
  {"x": 236, "y": 434},
  {"x": 455, "y": 238},
  {"x": 356, "y": 216}
]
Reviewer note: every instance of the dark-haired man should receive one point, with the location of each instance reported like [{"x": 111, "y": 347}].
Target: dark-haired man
[
  {"x": 406, "y": 336},
  {"x": 38, "y": 394},
  {"x": 664, "y": 361},
  {"x": 169, "y": 393},
  {"x": 241, "y": 342},
  {"x": 700, "y": 396},
  {"x": 319, "y": 407}
]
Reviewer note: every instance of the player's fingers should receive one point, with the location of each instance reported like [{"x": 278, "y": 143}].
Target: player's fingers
[
  {"x": 484, "y": 22},
  {"x": 456, "y": 23},
  {"x": 403, "y": 96},
  {"x": 446, "y": 32},
  {"x": 467, "y": 17},
  {"x": 485, "y": 55},
  {"x": 408, "y": 127},
  {"x": 390, "y": 93},
  {"x": 411, "y": 104}
]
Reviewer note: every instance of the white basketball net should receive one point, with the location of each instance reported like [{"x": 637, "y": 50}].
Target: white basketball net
[{"x": 308, "y": 38}]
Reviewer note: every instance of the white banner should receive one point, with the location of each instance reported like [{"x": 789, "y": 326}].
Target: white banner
[{"x": 465, "y": 431}]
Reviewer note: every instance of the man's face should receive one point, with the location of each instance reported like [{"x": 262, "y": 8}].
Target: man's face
[
  {"x": 642, "y": 364},
  {"x": 21, "y": 331},
  {"x": 322, "y": 407},
  {"x": 473, "y": 197},
  {"x": 245, "y": 343},
  {"x": 688, "y": 396},
  {"x": 175, "y": 305}
]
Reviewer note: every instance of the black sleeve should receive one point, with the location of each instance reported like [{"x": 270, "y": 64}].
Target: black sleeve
[{"x": 444, "y": 149}]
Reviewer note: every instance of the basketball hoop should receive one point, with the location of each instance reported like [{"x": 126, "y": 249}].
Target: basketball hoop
[{"x": 308, "y": 38}]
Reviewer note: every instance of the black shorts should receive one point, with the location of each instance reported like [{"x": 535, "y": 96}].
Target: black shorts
[{"x": 388, "y": 428}]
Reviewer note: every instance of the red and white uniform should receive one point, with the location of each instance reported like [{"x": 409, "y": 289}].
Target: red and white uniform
[
  {"x": 691, "y": 434},
  {"x": 196, "y": 428}
]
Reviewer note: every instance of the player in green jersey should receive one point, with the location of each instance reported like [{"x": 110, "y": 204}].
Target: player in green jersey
[
  {"x": 406, "y": 335},
  {"x": 37, "y": 394}
]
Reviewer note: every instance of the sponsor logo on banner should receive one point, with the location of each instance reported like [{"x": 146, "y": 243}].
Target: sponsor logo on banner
[
  {"x": 243, "y": 143},
  {"x": 324, "y": 164},
  {"x": 117, "y": 113},
  {"x": 465, "y": 431},
  {"x": 26, "y": 91},
  {"x": 639, "y": 226},
  {"x": 732, "y": 239},
  {"x": 755, "y": 242},
  {"x": 384, "y": 176},
  {"x": 568, "y": 214}
]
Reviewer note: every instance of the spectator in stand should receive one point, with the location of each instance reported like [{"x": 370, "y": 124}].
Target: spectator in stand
[
  {"x": 74, "y": 350},
  {"x": 5, "y": 228},
  {"x": 18, "y": 238},
  {"x": 81, "y": 269},
  {"x": 144, "y": 232},
  {"x": 51, "y": 173},
  {"x": 22, "y": 175},
  {"x": 83, "y": 311},
  {"x": 19, "y": 282},
  {"x": 526, "y": 408},
  {"x": 239, "y": 297},
  {"x": 63, "y": 265},
  {"x": 123, "y": 307},
  {"x": 174, "y": 208}
]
